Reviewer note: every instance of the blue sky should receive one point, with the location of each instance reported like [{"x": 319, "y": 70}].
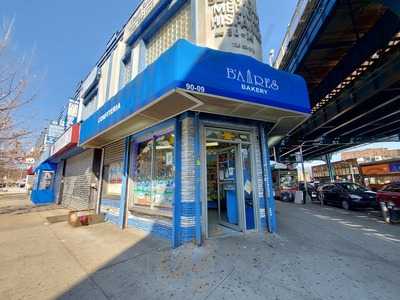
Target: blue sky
[{"x": 64, "y": 39}]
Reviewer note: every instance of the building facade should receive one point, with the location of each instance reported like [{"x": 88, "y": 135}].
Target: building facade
[
  {"x": 183, "y": 112},
  {"x": 378, "y": 174},
  {"x": 371, "y": 155},
  {"x": 62, "y": 164},
  {"x": 344, "y": 170}
]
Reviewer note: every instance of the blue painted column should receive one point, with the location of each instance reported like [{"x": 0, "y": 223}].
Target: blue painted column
[
  {"x": 124, "y": 188},
  {"x": 177, "y": 208},
  {"x": 267, "y": 179},
  {"x": 197, "y": 179}
]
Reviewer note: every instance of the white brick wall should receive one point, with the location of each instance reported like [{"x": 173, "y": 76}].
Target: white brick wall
[{"x": 188, "y": 166}]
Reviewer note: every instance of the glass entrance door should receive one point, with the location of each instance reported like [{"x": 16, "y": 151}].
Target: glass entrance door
[
  {"x": 228, "y": 200},
  {"x": 248, "y": 193},
  {"x": 229, "y": 182}
]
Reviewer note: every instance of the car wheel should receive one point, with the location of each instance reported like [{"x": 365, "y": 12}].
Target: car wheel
[
  {"x": 345, "y": 205},
  {"x": 385, "y": 213}
]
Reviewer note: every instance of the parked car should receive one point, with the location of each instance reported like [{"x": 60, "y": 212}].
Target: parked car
[
  {"x": 287, "y": 196},
  {"x": 389, "y": 200},
  {"x": 348, "y": 195},
  {"x": 312, "y": 191}
]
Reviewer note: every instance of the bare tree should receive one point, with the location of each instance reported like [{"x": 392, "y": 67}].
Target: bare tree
[{"x": 14, "y": 75}]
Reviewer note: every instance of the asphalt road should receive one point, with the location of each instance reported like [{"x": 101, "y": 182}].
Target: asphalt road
[
  {"x": 343, "y": 254},
  {"x": 319, "y": 253}
]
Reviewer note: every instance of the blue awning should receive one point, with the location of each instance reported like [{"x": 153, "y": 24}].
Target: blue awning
[
  {"x": 188, "y": 77},
  {"x": 45, "y": 166}
]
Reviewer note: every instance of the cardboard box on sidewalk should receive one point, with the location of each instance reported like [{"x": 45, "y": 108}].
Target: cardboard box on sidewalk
[{"x": 84, "y": 218}]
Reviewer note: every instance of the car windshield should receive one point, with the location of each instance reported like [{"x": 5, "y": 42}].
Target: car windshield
[
  {"x": 396, "y": 185},
  {"x": 393, "y": 187},
  {"x": 352, "y": 187}
]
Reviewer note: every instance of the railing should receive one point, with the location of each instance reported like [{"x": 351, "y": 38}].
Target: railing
[{"x": 298, "y": 17}]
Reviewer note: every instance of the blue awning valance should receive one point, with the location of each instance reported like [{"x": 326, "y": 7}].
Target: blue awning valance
[{"x": 188, "y": 77}]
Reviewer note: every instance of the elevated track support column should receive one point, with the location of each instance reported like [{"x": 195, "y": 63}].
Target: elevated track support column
[{"x": 331, "y": 171}]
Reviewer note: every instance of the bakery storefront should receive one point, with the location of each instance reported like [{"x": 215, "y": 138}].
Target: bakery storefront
[{"x": 190, "y": 148}]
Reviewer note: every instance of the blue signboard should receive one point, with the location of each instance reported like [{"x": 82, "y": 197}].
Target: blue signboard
[
  {"x": 394, "y": 167},
  {"x": 43, "y": 190},
  {"x": 202, "y": 70}
]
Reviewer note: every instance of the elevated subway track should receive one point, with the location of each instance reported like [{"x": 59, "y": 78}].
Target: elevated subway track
[{"x": 349, "y": 53}]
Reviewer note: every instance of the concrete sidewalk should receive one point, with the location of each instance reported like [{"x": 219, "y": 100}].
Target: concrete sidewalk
[
  {"x": 15, "y": 200},
  {"x": 318, "y": 254},
  {"x": 15, "y": 203}
]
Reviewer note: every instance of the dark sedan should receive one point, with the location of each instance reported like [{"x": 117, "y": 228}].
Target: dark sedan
[{"x": 348, "y": 195}]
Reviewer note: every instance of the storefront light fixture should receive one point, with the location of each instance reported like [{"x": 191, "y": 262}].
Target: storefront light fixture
[
  {"x": 212, "y": 144},
  {"x": 163, "y": 147}
]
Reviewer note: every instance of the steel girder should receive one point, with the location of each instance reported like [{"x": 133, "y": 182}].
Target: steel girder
[
  {"x": 317, "y": 22},
  {"x": 394, "y": 5},
  {"x": 376, "y": 39},
  {"x": 361, "y": 91}
]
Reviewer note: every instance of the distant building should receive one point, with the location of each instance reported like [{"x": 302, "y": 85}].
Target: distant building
[
  {"x": 378, "y": 174},
  {"x": 346, "y": 170},
  {"x": 374, "y": 174},
  {"x": 54, "y": 130},
  {"x": 371, "y": 155}
]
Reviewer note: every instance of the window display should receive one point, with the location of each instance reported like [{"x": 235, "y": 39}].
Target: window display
[
  {"x": 143, "y": 179},
  {"x": 113, "y": 179},
  {"x": 153, "y": 176}
]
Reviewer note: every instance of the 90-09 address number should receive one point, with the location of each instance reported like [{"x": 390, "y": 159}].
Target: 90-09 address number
[{"x": 195, "y": 88}]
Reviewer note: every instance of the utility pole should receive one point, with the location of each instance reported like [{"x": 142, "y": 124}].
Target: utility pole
[
  {"x": 274, "y": 153},
  {"x": 304, "y": 174}
]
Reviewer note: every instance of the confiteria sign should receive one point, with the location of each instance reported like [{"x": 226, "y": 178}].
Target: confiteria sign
[
  {"x": 109, "y": 112},
  {"x": 252, "y": 82}
]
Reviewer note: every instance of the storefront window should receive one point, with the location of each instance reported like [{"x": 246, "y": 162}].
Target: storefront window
[
  {"x": 113, "y": 179},
  {"x": 382, "y": 179},
  {"x": 288, "y": 180},
  {"x": 163, "y": 171},
  {"x": 142, "y": 190},
  {"x": 153, "y": 178}
]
